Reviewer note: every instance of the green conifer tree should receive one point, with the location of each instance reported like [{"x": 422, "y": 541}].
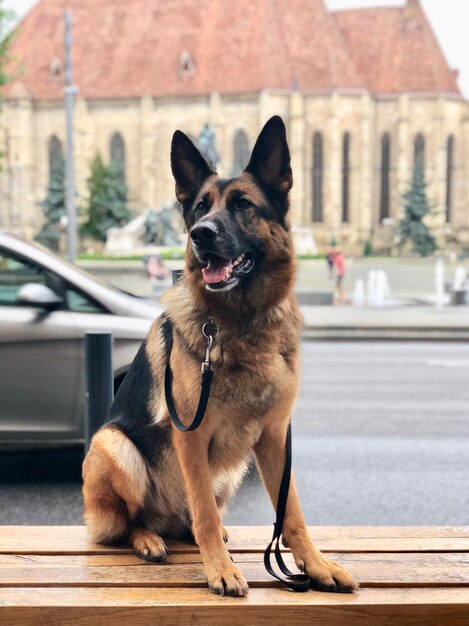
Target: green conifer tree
[
  {"x": 416, "y": 206},
  {"x": 118, "y": 193},
  {"x": 53, "y": 206},
  {"x": 7, "y": 18},
  {"x": 107, "y": 204}
]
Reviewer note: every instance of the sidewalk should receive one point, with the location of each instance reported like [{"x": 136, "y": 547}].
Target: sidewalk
[{"x": 407, "y": 323}]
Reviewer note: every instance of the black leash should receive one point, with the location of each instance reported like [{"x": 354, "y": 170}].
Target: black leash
[
  {"x": 296, "y": 582},
  {"x": 210, "y": 331}
]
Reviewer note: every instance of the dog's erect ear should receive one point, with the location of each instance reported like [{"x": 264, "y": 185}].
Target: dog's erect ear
[
  {"x": 189, "y": 168},
  {"x": 270, "y": 158}
]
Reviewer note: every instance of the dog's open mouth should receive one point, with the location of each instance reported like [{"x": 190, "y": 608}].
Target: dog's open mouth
[{"x": 223, "y": 274}]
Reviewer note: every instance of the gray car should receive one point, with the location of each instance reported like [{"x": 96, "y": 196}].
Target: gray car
[{"x": 46, "y": 306}]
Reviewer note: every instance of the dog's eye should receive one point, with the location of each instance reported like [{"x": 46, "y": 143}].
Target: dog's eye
[
  {"x": 201, "y": 208},
  {"x": 242, "y": 203}
]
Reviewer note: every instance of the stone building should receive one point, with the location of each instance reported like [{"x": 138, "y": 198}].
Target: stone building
[{"x": 363, "y": 93}]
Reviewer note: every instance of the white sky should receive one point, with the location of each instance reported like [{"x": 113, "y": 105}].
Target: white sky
[{"x": 450, "y": 19}]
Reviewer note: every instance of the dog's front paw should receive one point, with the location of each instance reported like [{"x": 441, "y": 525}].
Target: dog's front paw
[
  {"x": 148, "y": 545},
  {"x": 226, "y": 581},
  {"x": 328, "y": 575}
]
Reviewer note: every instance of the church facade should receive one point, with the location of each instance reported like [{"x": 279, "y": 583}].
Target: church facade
[{"x": 364, "y": 93}]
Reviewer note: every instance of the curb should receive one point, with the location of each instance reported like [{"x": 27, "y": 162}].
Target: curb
[{"x": 384, "y": 334}]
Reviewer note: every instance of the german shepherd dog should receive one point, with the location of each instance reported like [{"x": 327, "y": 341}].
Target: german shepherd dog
[{"x": 144, "y": 479}]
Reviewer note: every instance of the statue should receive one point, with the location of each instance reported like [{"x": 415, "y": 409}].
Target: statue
[
  {"x": 151, "y": 234},
  {"x": 206, "y": 145},
  {"x": 159, "y": 229}
]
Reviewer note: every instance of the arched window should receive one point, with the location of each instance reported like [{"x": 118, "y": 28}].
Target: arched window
[
  {"x": 117, "y": 150},
  {"x": 385, "y": 174},
  {"x": 449, "y": 176},
  {"x": 318, "y": 175},
  {"x": 345, "y": 177},
  {"x": 56, "y": 157},
  {"x": 240, "y": 152},
  {"x": 419, "y": 149},
  {"x": 186, "y": 62}
]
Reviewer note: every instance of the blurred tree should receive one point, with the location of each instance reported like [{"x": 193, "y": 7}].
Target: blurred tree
[
  {"x": 53, "y": 206},
  {"x": 416, "y": 207},
  {"x": 6, "y": 21},
  {"x": 7, "y": 18},
  {"x": 368, "y": 248},
  {"x": 107, "y": 204}
]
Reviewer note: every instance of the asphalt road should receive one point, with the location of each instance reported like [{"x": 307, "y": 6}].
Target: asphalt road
[{"x": 380, "y": 436}]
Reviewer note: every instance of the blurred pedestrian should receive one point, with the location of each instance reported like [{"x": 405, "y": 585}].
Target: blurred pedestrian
[
  {"x": 339, "y": 266},
  {"x": 330, "y": 261},
  {"x": 156, "y": 270}
]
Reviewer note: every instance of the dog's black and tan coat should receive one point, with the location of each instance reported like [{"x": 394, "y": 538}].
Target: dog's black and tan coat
[{"x": 145, "y": 480}]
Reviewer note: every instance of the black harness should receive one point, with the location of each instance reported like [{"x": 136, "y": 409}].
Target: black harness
[{"x": 296, "y": 582}]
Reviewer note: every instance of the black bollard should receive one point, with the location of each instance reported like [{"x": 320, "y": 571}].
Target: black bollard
[{"x": 99, "y": 381}]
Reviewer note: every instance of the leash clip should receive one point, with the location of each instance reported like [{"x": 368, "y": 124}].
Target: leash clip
[
  {"x": 206, "y": 365},
  {"x": 209, "y": 331}
]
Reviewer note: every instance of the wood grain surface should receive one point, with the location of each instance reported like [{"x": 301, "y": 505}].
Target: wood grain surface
[
  {"x": 409, "y": 576},
  {"x": 72, "y": 539}
]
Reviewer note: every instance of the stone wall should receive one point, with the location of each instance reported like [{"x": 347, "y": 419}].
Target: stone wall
[{"x": 146, "y": 126}]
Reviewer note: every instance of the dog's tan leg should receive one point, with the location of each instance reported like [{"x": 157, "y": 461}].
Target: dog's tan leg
[
  {"x": 325, "y": 575},
  {"x": 106, "y": 514},
  {"x": 115, "y": 483},
  {"x": 222, "y": 575}
]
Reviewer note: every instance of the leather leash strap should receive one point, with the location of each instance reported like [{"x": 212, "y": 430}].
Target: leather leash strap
[
  {"x": 207, "y": 375},
  {"x": 296, "y": 582}
]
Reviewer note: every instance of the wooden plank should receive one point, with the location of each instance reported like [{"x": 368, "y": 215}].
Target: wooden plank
[
  {"x": 72, "y": 540},
  {"x": 383, "y": 570},
  {"x": 165, "y": 607}
]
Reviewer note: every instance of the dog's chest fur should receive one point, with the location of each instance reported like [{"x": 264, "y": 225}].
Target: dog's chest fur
[
  {"x": 246, "y": 387},
  {"x": 247, "y": 382}
]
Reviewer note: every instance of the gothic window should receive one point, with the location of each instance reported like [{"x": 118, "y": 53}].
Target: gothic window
[
  {"x": 117, "y": 149},
  {"x": 449, "y": 176},
  {"x": 318, "y": 175},
  {"x": 186, "y": 62},
  {"x": 56, "y": 156},
  {"x": 419, "y": 149},
  {"x": 55, "y": 66},
  {"x": 385, "y": 172},
  {"x": 240, "y": 152},
  {"x": 345, "y": 177}
]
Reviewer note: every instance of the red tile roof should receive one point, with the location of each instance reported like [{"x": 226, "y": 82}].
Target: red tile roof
[
  {"x": 396, "y": 51},
  {"x": 130, "y": 48}
]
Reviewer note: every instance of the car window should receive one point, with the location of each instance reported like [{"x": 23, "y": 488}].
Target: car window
[
  {"x": 14, "y": 273},
  {"x": 78, "y": 302}
]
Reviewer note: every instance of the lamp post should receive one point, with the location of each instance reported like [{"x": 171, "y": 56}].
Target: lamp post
[{"x": 70, "y": 90}]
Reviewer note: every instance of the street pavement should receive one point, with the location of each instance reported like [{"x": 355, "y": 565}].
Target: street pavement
[{"x": 380, "y": 436}]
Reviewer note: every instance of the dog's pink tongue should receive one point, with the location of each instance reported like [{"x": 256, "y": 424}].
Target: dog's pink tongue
[{"x": 216, "y": 270}]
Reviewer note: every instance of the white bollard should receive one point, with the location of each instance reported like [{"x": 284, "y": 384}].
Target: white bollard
[
  {"x": 459, "y": 278},
  {"x": 440, "y": 283},
  {"x": 358, "y": 297}
]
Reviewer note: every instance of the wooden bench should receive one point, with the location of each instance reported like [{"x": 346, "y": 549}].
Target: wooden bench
[{"x": 52, "y": 575}]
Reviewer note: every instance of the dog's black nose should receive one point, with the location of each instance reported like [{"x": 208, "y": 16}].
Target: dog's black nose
[{"x": 204, "y": 233}]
